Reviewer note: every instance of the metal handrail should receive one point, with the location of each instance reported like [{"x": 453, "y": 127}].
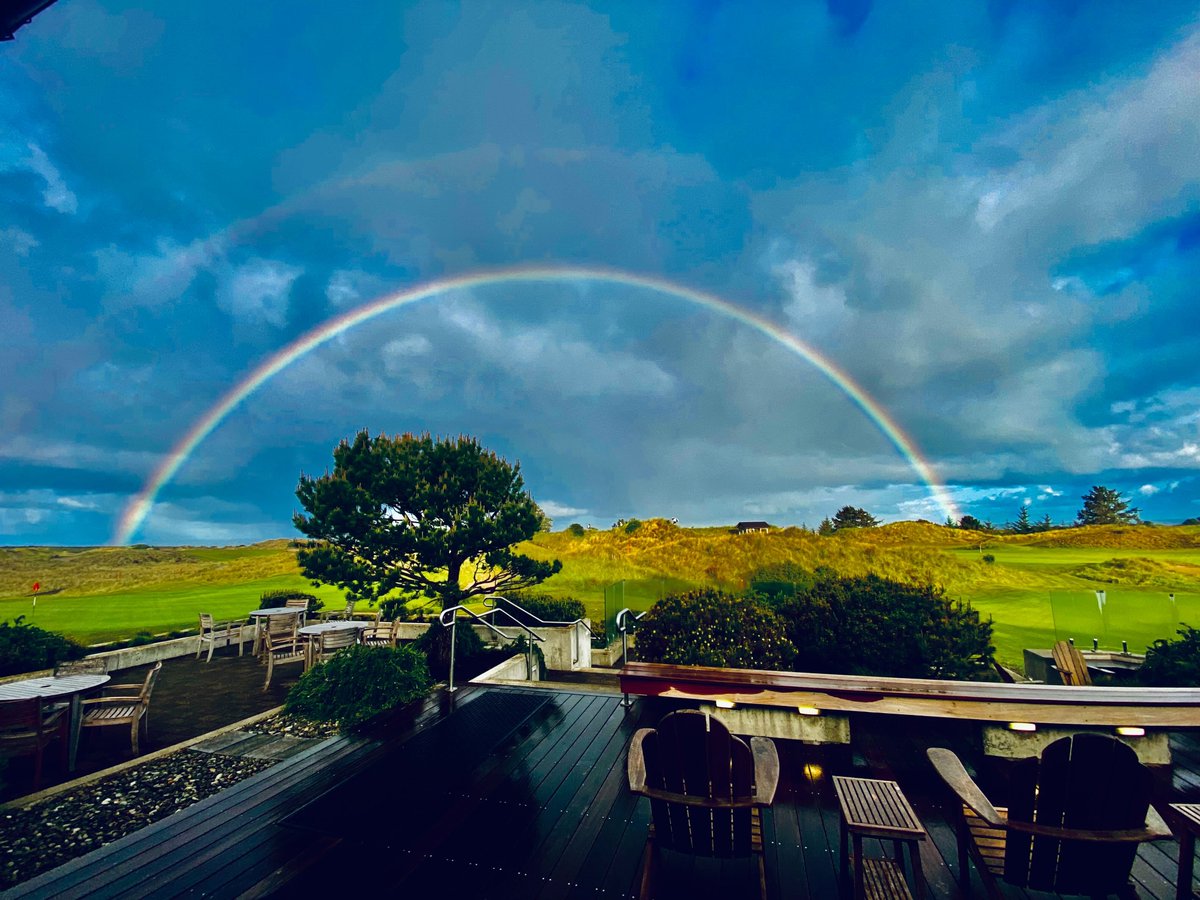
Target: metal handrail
[
  {"x": 538, "y": 619},
  {"x": 621, "y": 621},
  {"x": 490, "y": 602},
  {"x": 451, "y": 624}
]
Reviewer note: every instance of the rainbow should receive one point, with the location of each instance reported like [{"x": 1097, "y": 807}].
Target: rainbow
[{"x": 140, "y": 505}]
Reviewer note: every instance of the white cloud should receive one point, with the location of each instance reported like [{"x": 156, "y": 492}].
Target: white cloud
[
  {"x": 816, "y": 309},
  {"x": 56, "y": 194},
  {"x": 557, "y": 510},
  {"x": 1149, "y": 490},
  {"x": 1048, "y": 491},
  {"x": 18, "y": 240},
  {"x": 156, "y": 278},
  {"x": 258, "y": 291}
]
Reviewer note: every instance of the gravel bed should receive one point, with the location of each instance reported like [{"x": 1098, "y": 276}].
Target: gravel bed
[
  {"x": 71, "y": 824},
  {"x": 68, "y": 825}
]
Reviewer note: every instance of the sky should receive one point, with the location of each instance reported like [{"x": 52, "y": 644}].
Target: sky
[{"x": 926, "y": 259}]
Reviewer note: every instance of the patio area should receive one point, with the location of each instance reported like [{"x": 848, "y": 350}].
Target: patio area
[{"x": 513, "y": 792}]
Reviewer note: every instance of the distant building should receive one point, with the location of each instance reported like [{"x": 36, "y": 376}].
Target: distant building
[{"x": 747, "y": 527}]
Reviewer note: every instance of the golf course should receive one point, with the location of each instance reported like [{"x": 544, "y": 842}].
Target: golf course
[{"x": 1037, "y": 588}]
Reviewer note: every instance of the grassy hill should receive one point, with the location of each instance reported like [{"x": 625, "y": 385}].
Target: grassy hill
[{"x": 1036, "y": 587}]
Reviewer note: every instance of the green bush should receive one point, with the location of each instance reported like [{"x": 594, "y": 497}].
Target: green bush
[
  {"x": 712, "y": 628},
  {"x": 1173, "y": 663},
  {"x": 545, "y": 607},
  {"x": 27, "y": 648},
  {"x": 575, "y": 530},
  {"x": 875, "y": 626},
  {"x": 435, "y": 644},
  {"x": 988, "y": 558},
  {"x": 359, "y": 683},
  {"x": 273, "y": 599},
  {"x": 632, "y": 525}
]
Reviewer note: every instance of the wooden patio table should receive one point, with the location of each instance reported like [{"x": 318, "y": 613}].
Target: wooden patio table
[
  {"x": 62, "y": 687},
  {"x": 878, "y": 809},
  {"x": 312, "y": 631}
]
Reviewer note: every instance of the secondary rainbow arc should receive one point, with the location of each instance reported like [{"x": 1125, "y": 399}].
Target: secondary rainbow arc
[{"x": 139, "y": 507}]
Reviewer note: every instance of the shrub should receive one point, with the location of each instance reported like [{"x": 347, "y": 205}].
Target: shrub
[
  {"x": 435, "y": 644},
  {"x": 712, "y": 628},
  {"x": 989, "y": 558},
  {"x": 575, "y": 530},
  {"x": 1173, "y": 663},
  {"x": 546, "y": 608},
  {"x": 27, "y": 648},
  {"x": 875, "y": 626},
  {"x": 632, "y": 525},
  {"x": 272, "y": 599},
  {"x": 358, "y": 684}
]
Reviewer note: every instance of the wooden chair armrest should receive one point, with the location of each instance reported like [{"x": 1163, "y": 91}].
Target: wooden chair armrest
[
  {"x": 697, "y": 800},
  {"x": 1126, "y": 836},
  {"x": 766, "y": 769},
  {"x": 122, "y": 687},
  {"x": 112, "y": 700},
  {"x": 635, "y": 763},
  {"x": 952, "y": 772}
]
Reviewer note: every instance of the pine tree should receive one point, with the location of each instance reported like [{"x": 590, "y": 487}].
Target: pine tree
[
  {"x": 1104, "y": 506},
  {"x": 1022, "y": 525}
]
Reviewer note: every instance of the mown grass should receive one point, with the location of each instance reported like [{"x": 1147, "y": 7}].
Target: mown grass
[{"x": 108, "y": 593}]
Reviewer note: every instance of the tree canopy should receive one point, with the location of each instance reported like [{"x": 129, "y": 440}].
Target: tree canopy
[
  {"x": 852, "y": 517},
  {"x": 1104, "y": 506},
  {"x": 419, "y": 515}
]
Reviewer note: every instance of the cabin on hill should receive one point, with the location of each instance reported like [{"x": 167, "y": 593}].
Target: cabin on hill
[{"x": 748, "y": 527}]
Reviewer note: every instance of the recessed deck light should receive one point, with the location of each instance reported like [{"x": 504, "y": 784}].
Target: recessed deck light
[
  {"x": 724, "y": 704},
  {"x": 1131, "y": 731},
  {"x": 1022, "y": 726},
  {"x": 808, "y": 710}
]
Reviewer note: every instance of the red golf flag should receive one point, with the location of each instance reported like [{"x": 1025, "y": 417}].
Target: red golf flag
[{"x": 36, "y": 586}]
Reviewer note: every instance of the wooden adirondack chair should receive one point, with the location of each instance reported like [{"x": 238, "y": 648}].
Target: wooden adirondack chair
[
  {"x": 1074, "y": 820},
  {"x": 1070, "y": 664},
  {"x": 706, "y": 788}
]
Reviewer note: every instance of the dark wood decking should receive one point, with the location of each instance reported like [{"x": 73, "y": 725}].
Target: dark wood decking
[{"x": 462, "y": 805}]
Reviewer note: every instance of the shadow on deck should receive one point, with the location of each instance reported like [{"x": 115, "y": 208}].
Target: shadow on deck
[{"x": 517, "y": 793}]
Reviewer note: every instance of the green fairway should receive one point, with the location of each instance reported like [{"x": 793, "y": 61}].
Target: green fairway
[{"x": 107, "y": 617}]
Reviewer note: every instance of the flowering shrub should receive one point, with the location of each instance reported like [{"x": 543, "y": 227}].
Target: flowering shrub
[{"x": 712, "y": 628}]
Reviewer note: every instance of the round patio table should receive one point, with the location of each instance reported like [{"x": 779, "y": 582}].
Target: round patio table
[{"x": 64, "y": 687}]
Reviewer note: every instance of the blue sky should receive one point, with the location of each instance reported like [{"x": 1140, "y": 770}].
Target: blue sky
[{"x": 987, "y": 215}]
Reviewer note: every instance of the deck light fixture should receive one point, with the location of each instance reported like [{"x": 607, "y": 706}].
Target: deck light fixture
[
  {"x": 724, "y": 704},
  {"x": 1131, "y": 731},
  {"x": 808, "y": 710},
  {"x": 1022, "y": 726}
]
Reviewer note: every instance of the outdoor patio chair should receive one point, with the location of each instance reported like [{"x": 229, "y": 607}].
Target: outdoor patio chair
[
  {"x": 211, "y": 632},
  {"x": 1072, "y": 668},
  {"x": 706, "y": 787},
  {"x": 124, "y": 709},
  {"x": 382, "y": 634},
  {"x": 1075, "y": 818},
  {"x": 28, "y": 727},
  {"x": 329, "y": 643},
  {"x": 285, "y": 647},
  {"x": 300, "y": 603}
]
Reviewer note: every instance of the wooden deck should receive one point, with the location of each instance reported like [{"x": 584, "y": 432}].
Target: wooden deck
[{"x": 517, "y": 793}]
